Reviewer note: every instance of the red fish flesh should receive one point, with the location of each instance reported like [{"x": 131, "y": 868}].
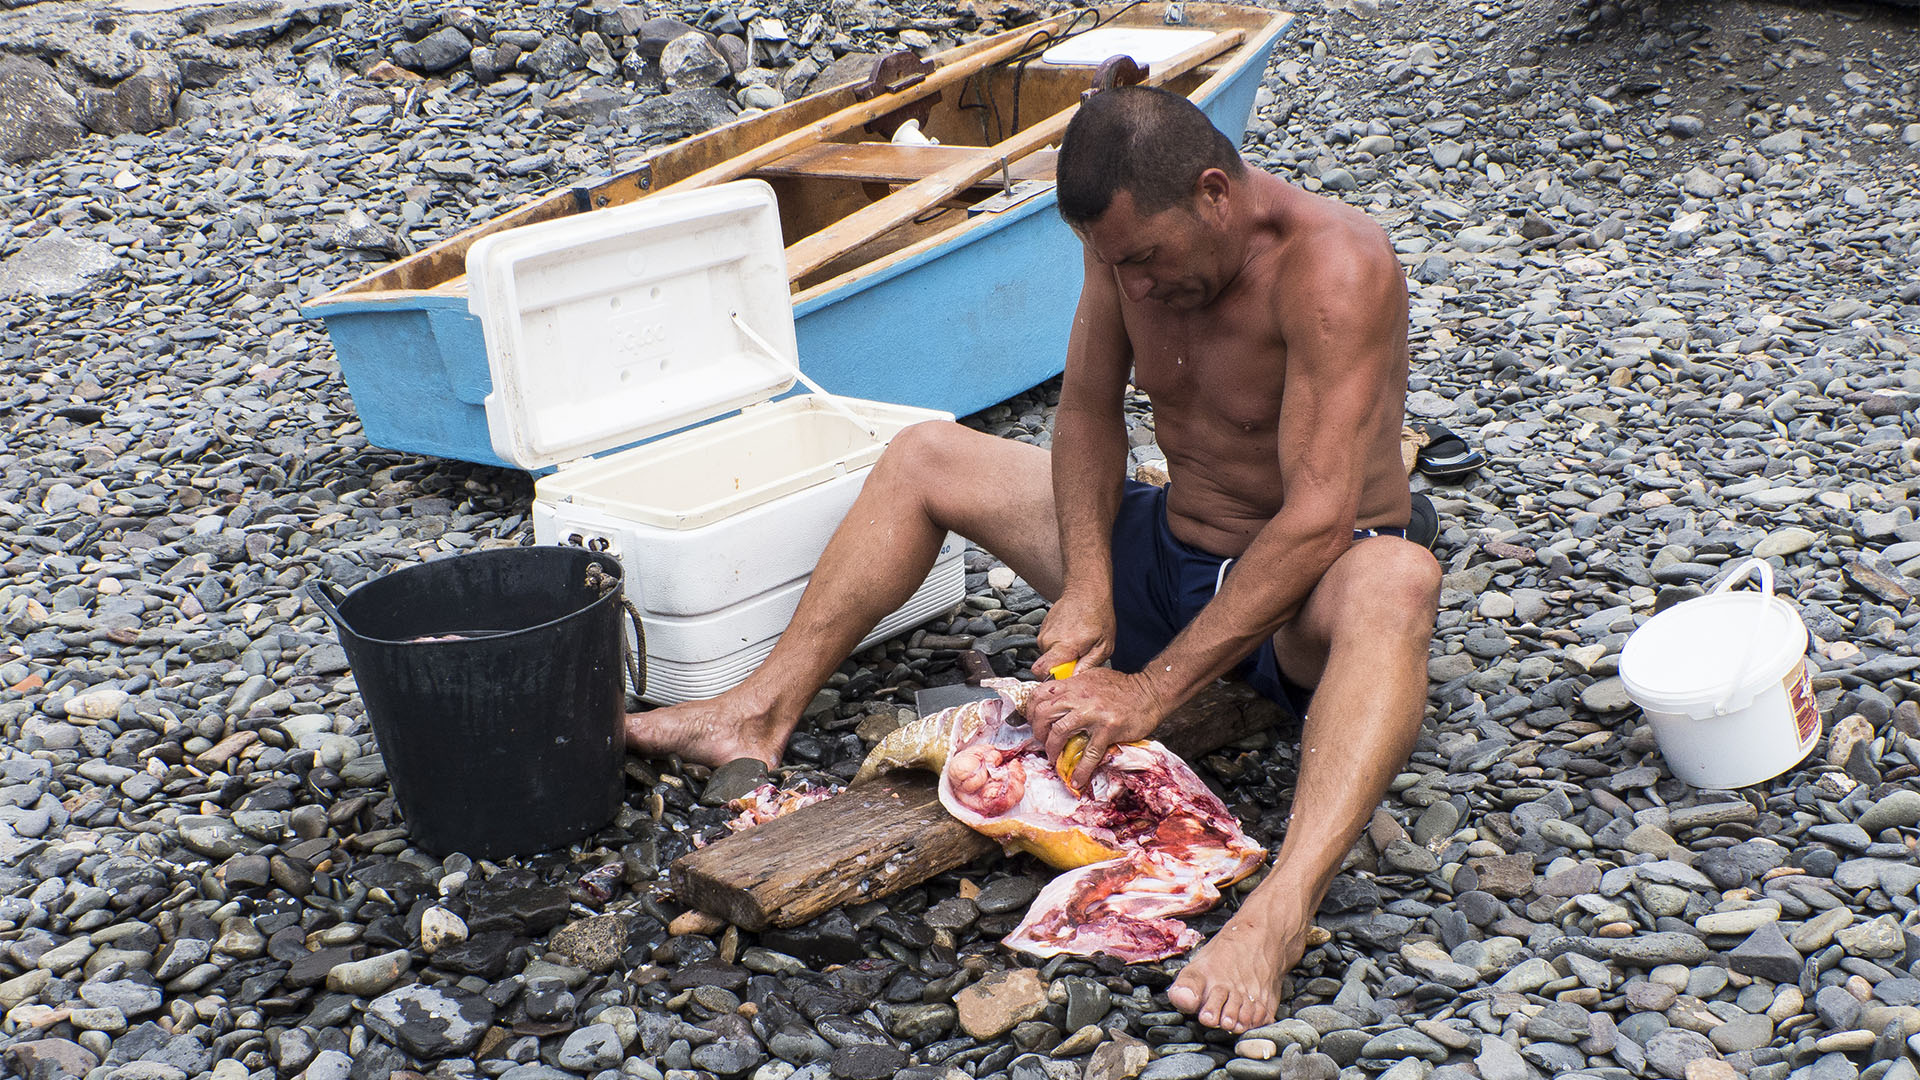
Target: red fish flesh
[{"x": 1145, "y": 843}]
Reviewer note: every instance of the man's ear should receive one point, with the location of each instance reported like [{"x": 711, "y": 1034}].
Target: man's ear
[{"x": 1211, "y": 189}]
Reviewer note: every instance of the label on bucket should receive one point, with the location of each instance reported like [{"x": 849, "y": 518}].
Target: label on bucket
[{"x": 1806, "y": 716}]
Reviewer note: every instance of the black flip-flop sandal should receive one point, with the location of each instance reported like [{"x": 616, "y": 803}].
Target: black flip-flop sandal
[
  {"x": 1423, "y": 527},
  {"x": 1446, "y": 455}
]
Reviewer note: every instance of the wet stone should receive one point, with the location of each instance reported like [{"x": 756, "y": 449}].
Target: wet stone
[
  {"x": 1183, "y": 1066},
  {"x": 733, "y": 780},
  {"x": 1007, "y": 894},
  {"x": 868, "y": 1062},
  {"x": 430, "y": 1022}
]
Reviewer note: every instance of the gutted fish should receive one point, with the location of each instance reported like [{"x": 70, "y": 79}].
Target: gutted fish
[{"x": 1145, "y": 843}]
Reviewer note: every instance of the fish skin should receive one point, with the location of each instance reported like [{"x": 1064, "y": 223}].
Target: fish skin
[{"x": 1196, "y": 847}]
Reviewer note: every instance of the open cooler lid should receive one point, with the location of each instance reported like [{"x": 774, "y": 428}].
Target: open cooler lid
[{"x": 617, "y": 325}]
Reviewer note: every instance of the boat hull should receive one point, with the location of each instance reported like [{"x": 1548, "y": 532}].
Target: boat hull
[{"x": 965, "y": 323}]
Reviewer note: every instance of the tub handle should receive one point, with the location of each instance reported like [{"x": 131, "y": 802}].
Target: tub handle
[
  {"x": 1749, "y": 568},
  {"x": 599, "y": 579},
  {"x": 327, "y": 599},
  {"x": 636, "y": 658}
]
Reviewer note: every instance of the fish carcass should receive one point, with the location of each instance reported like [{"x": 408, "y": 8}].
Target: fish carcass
[{"x": 1145, "y": 843}]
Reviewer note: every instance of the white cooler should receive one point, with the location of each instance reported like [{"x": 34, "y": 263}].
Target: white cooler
[{"x": 627, "y": 323}]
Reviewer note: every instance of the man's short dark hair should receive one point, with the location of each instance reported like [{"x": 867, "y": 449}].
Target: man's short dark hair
[{"x": 1140, "y": 139}]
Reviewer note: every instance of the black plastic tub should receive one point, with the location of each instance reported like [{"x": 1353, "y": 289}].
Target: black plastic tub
[{"x": 502, "y": 735}]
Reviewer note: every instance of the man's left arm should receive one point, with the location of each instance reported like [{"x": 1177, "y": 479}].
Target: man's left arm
[{"x": 1345, "y": 340}]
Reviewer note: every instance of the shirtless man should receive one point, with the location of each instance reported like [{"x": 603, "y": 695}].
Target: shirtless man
[{"x": 1269, "y": 328}]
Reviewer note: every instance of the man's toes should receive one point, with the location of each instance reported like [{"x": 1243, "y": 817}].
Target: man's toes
[
  {"x": 1215, "y": 1006},
  {"x": 1182, "y": 994},
  {"x": 1255, "y": 1010}
]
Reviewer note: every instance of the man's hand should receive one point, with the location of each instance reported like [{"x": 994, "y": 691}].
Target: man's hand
[
  {"x": 1108, "y": 707},
  {"x": 1079, "y": 629}
]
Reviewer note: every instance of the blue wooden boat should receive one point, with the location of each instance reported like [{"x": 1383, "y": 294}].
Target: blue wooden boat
[{"x": 937, "y": 276}]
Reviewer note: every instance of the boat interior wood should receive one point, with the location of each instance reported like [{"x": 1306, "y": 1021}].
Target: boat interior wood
[
  {"x": 818, "y": 249},
  {"x": 992, "y": 93},
  {"x": 886, "y": 163}
]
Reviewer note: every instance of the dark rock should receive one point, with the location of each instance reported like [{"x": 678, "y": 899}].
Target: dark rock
[
  {"x": 483, "y": 954},
  {"x": 679, "y": 114},
  {"x": 556, "y": 56},
  {"x": 438, "y": 51},
  {"x": 829, "y": 939},
  {"x": 654, "y": 35},
  {"x": 732, "y": 780},
  {"x": 515, "y": 901},
  {"x": 247, "y": 872},
  {"x": 139, "y": 103},
  {"x": 1766, "y": 955},
  {"x": 1350, "y": 893},
  {"x": 1007, "y": 894},
  {"x": 430, "y": 1022},
  {"x": 311, "y": 968},
  {"x": 37, "y": 115},
  {"x": 868, "y": 1062},
  {"x": 623, "y": 20},
  {"x": 50, "y": 1058},
  {"x": 724, "y": 976}
]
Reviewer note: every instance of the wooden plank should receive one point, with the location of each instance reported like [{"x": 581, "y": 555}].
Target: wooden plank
[
  {"x": 885, "y": 163},
  {"x": 892, "y": 833},
  {"x": 916, "y": 198},
  {"x": 854, "y": 116}
]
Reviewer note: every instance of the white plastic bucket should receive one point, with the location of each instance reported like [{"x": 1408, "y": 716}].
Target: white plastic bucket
[{"x": 1723, "y": 681}]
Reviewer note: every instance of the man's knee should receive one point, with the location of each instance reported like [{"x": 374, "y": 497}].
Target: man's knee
[
  {"x": 919, "y": 454},
  {"x": 1395, "y": 582}
]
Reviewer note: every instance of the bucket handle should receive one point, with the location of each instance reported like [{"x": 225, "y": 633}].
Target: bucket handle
[
  {"x": 598, "y": 578},
  {"x": 636, "y": 668},
  {"x": 1747, "y": 568},
  {"x": 327, "y": 599}
]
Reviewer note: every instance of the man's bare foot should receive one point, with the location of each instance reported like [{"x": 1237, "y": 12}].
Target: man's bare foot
[
  {"x": 1233, "y": 982},
  {"x": 711, "y": 732}
]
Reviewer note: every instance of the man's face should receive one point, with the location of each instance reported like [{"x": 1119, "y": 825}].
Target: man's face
[{"x": 1171, "y": 257}]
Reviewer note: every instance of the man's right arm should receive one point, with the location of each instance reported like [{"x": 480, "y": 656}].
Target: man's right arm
[{"x": 1089, "y": 462}]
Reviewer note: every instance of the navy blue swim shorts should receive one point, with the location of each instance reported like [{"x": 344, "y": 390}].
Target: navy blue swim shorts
[{"x": 1160, "y": 584}]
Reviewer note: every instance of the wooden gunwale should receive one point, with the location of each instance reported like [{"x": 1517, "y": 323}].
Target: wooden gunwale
[{"x": 786, "y": 156}]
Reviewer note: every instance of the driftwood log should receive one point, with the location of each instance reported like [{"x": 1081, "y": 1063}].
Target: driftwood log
[{"x": 892, "y": 833}]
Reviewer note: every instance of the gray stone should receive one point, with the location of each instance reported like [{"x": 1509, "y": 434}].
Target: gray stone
[
  {"x": 1186, "y": 1066},
  {"x": 56, "y": 264},
  {"x": 431, "y": 1022},
  {"x": 1644, "y": 950},
  {"x": 556, "y": 56},
  {"x": 38, "y": 116},
  {"x": 438, "y": 51},
  {"x": 692, "y": 61},
  {"x": 1670, "y": 1051},
  {"x": 141, "y": 102},
  {"x": 678, "y": 114},
  {"x": 1498, "y": 1060},
  {"x": 1767, "y": 955},
  {"x": 1897, "y": 809}
]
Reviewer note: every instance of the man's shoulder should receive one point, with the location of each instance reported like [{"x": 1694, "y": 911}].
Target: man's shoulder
[
  {"x": 1328, "y": 235},
  {"x": 1338, "y": 268}
]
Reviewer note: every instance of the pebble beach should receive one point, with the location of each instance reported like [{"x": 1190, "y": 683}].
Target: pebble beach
[{"x": 1664, "y": 263}]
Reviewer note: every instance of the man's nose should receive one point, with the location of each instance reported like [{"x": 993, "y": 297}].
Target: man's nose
[{"x": 1136, "y": 285}]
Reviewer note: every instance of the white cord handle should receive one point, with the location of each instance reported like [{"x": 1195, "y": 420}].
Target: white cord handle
[
  {"x": 831, "y": 401},
  {"x": 1749, "y": 568}
]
